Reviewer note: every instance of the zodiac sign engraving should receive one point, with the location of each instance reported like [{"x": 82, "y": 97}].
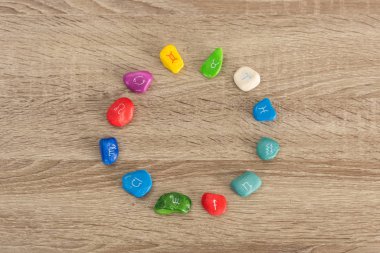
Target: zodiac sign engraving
[
  {"x": 171, "y": 57},
  {"x": 263, "y": 109},
  {"x": 138, "y": 184},
  {"x": 246, "y": 76},
  {"x": 214, "y": 64},
  {"x": 245, "y": 185},
  {"x": 119, "y": 108},
  {"x": 111, "y": 150},
  {"x": 269, "y": 148},
  {"x": 139, "y": 80},
  {"x": 175, "y": 200}
]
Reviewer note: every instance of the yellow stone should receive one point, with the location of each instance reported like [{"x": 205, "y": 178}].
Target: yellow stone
[{"x": 171, "y": 59}]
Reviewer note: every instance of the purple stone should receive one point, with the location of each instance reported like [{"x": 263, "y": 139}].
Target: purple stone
[{"x": 138, "y": 81}]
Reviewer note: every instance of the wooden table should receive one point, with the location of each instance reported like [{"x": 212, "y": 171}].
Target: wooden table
[{"x": 61, "y": 66}]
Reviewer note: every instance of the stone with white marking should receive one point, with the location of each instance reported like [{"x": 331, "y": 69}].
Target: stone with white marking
[
  {"x": 246, "y": 184},
  {"x": 246, "y": 78},
  {"x": 137, "y": 183},
  {"x": 264, "y": 111},
  {"x": 267, "y": 148},
  {"x": 139, "y": 81},
  {"x": 214, "y": 204},
  {"x": 173, "y": 202},
  {"x": 109, "y": 150}
]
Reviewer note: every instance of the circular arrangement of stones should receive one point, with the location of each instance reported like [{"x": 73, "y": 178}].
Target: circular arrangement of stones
[{"x": 139, "y": 183}]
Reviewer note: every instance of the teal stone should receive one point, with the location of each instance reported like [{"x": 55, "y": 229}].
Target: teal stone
[
  {"x": 173, "y": 202},
  {"x": 246, "y": 184},
  {"x": 267, "y": 148},
  {"x": 213, "y": 64}
]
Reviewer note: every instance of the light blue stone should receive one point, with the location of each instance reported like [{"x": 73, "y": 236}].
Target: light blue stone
[
  {"x": 109, "y": 150},
  {"x": 137, "y": 183},
  {"x": 246, "y": 184},
  {"x": 267, "y": 148},
  {"x": 264, "y": 111}
]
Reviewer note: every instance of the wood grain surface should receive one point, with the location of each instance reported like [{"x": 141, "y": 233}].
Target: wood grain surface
[{"x": 61, "y": 66}]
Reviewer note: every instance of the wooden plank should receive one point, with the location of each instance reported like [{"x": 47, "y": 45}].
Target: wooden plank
[
  {"x": 65, "y": 71},
  {"x": 184, "y": 7},
  {"x": 80, "y": 206}
]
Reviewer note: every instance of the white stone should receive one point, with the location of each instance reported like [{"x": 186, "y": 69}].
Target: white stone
[{"x": 246, "y": 78}]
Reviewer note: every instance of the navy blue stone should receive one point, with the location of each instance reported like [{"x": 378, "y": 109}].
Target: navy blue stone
[
  {"x": 137, "y": 183},
  {"x": 264, "y": 111},
  {"x": 109, "y": 150}
]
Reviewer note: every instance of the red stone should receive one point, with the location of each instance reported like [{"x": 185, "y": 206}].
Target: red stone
[
  {"x": 214, "y": 204},
  {"x": 120, "y": 112}
]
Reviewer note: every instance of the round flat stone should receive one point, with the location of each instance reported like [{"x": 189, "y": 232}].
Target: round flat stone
[
  {"x": 214, "y": 204},
  {"x": 109, "y": 150},
  {"x": 120, "y": 112},
  {"x": 173, "y": 202},
  {"x": 139, "y": 81},
  {"x": 213, "y": 64},
  {"x": 171, "y": 59},
  {"x": 264, "y": 111},
  {"x": 267, "y": 148},
  {"x": 246, "y": 184},
  {"x": 137, "y": 183},
  {"x": 246, "y": 78}
]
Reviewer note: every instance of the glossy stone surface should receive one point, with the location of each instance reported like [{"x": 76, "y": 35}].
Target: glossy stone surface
[
  {"x": 246, "y": 78},
  {"x": 139, "y": 81},
  {"x": 246, "y": 184},
  {"x": 137, "y": 183},
  {"x": 109, "y": 150},
  {"x": 264, "y": 111},
  {"x": 214, "y": 204},
  {"x": 173, "y": 202},
  {"x": 120, "y": 112},
  {"x": 213, "y": 64},
  {"x": 171, "y": 59},
  {"x": 267, "y": 148}
]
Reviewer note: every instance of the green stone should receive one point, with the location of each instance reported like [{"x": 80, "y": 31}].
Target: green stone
[
  {"x": 212, "y": 66},
  {"x": 267, "y": 148},
  {"x": 173, "y": 202}
]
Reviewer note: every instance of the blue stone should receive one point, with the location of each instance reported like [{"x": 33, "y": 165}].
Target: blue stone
[
  {"x": 246, "y": 184},
  {"x": 264, "y": 111},
  {"x": 137, "y": 183},
  {"x": 109, "y": 150}
]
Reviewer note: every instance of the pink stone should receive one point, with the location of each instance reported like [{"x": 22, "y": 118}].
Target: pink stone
[{"x": 138, "y": 81}]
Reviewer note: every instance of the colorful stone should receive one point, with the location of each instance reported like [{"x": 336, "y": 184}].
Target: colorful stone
[
  {"x": 213, "y": 64},
  {"x": 246, "y": 78},
  {"x": 246, "y": 184},
  {"x": 120, "y": 112},
  {"x": 109, "y": 150},
  {"x": 173, "y": 202},
  {"x": 139, "y": 81},
  {"x": 214, "y": 204},
  {"x": 267, "y": 148},
  {"x": 264, "y": 111},
  {"x": 137, "y": 183},
  {"x": 171, "y": 59}
]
